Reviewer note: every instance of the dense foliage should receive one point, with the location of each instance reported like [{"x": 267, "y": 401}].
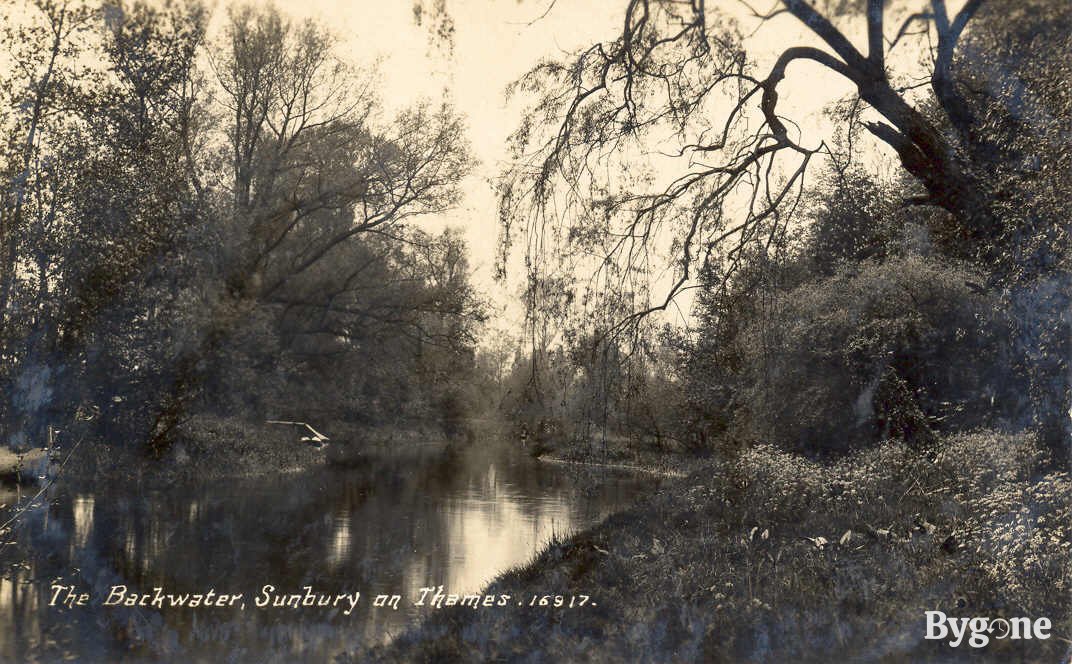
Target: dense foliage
[
  {"x": 196, "y": 223},
  {"x": 862, "y": 306}
]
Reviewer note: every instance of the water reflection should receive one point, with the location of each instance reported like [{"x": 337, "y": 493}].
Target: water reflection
[
  {"x": 339, "y": 551},
  {"x": 83, "y": 520},
  {"x": 391, "y": 527}
]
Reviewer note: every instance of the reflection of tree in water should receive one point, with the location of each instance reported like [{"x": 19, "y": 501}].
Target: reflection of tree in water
[
  {"x": 44, "y": 550},
  {"x": 391, "y": 526}
]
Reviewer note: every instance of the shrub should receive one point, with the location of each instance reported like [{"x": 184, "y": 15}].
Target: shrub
[{"x": 896, "y": 349}]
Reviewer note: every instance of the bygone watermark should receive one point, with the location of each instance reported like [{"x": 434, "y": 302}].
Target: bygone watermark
[{"x": 981, "y": 630}]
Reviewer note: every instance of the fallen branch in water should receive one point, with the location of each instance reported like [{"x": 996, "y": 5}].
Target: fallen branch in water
[{"x": 317, "y": 437}]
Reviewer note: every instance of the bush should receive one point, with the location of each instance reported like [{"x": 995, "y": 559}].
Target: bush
[{"x": 896, "y": 349}]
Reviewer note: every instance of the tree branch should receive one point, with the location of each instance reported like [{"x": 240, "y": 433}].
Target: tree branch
[
  {"x": 777, "y": 73},
  {"x": 826, "y": 31},
  {"x": 875, "y": 40}
]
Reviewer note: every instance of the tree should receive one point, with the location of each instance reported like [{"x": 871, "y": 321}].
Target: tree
[
  {"x": 157, "y": 212},
  {"x": 100, "y": 197},
  {"x": 678, "y": 79},
  {"x": 44, "y": 47},
  {"x": 671, "y": 148},
  {"x": 311, "y": 173}
]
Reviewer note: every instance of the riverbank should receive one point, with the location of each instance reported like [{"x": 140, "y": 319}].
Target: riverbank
[
  {"x": 626, "y": 467},
  {"x": 209, "y": 448},
  {"x": 624, "y": 453},
  {"x": 771, "y": 557}
]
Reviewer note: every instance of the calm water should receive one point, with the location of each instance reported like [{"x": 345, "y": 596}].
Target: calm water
[{"x": 393, "y": 527}]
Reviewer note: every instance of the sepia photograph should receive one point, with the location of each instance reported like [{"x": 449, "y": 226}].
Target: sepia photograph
[{"x": 655, "y": 331}]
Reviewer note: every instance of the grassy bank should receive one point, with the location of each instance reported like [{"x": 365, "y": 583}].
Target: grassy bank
[{"x": 771, "y": 557}]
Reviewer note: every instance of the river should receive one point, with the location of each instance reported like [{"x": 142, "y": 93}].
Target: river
[{"x": 390, "y": 527}]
